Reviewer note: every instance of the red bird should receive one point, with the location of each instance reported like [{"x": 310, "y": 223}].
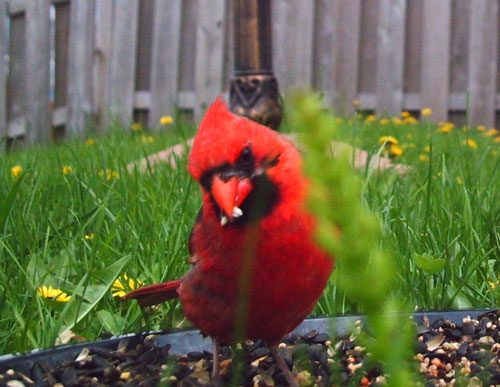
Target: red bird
[{"x": 257, "y": 272}]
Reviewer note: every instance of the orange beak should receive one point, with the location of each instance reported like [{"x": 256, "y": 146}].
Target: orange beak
[{"x": 229, "y": 195}]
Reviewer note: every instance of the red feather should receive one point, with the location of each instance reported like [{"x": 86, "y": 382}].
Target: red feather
[{"x": 156, "y": 293}]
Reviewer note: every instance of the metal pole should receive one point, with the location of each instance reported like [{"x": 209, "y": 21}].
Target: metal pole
[{"x": 254, "y": 88}]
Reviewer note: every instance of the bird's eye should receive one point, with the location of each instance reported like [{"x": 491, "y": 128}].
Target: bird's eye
[{"x": 246, "y": 157}]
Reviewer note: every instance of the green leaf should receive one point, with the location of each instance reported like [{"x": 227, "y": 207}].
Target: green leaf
[
  {"x": 6, "y": 205},
  {"x": 85, "y": 298},
  {"x": 428, "y": 263},
  {"x": 111, "y": 322}
]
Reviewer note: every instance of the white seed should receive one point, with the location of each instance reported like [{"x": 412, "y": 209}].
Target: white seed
[
  {"x": 223, "y": 220},
  {"x": 237, "y": 212}
]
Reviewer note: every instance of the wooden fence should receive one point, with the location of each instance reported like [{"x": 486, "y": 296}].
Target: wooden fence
[{"x": 73, "y": 63}]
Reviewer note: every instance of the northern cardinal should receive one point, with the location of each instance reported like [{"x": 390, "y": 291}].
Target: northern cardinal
[{"x": 254, "y": 259}]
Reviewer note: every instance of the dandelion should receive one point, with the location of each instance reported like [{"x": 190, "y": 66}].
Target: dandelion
[
  {"x": 410, "y": 120},
  {"x": 427, "y": 148},
  {"x": 384, "y": 121},
  {"x": 411, "y": 146},
  {"x": 423, "y": 157},
  {"x": 16, "y": 170},
  {"x": 470, "y": 143},
  {"x": 391, "y": 146},
  {"x": 53, "y": 294},
  {"x": 459, "y": 180},
  {"x": 136, "y": 126},
  {"x": 493, "y": 285},
  {"x": 89, "y": 237},
  {"x": 66, "y": 170},
  {"x": 166, "y": 120},
  {"x": 370, "y": 118},
  {"x": 89, "y": 141},
  {"x": 481, "y": 128},
  {"x": 124, "y": 284},
  {"x": 147, "y": 139},
  {"x": 397, "y": 120},
  {"x": 445, "y": 127},
  {"x": 405, "y": 114},
  {"x": 494, "y": 153},
  {"x": 492, "y": 132},
  {"x": 496, "y": 139},
  {"x": 409, "y": 136},
  {"x": 388, "y": 140},
  {"x": 425, "y": 112},
  {"x": 109, "y": 174}
]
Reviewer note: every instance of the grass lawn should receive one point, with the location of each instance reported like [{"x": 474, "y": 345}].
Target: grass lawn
[{"x": 73, "y": 218}]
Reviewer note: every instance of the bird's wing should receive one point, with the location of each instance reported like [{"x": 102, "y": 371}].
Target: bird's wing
[{"x": 156, "y": 293}]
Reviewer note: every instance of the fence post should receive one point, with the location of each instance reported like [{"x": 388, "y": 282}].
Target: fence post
[
  {"x": 390, "y": 56},
  {"x": 38, "y": 71},
  {"x": 483, "y": 51},
  {"x": 209, "y": 54},
  {"x": 81, "y": 51},
  {"x": 121, "y": 81},
  {"x": 436, "y": 58},
  {"x": 165, "y": 58},
  {"x": 3, "y": 77}
]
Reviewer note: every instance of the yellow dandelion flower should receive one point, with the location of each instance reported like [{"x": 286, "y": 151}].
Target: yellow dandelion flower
[
  {"x": 370, "y": 118},
  {"x": 166, "y": 120},
  {"x": 397, "y": 120},
  {"x": 387, "y": 140},
  {"x": 89, "y": 237},
  {"x": 423, "y": 157},
  {"x": 471, "y": 143},
  {"x": 494, "y": 153},
  {"x": 16, "y": 170},
  {"x": 109, "y": 174},
  {"x": 66, "y": 169},
  {"x": 427, "y": 148},
  {"x": 89, "y": 141},
  {"x": 395, "y": 150},
  {"x": 356, "y": 102},
  {"x": 405, "y": 114},
  {"x": 491, "y": 132},
  {"x": 425, "y": 112},
  {"x": 459, "y": 180},
  {"x": 409, "y": 136},
  {"x": 384, "y": 121},
  {"x": 124, "y": 284},
  {"x": 147, "y": 139},
  {"x": 410, "y": 120},
  {"x": 445, "y": 127},
  {"x": 493, "y": 285},
  {"x": 411, "y": 146},
  {"x": 136, "y": 126},
  {"x": 496, "y": 139},
  {"x": 481, "y": 128},
  {"x": 53, "y": 294}
]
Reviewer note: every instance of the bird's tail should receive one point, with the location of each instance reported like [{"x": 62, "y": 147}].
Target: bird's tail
[{"x": 156, "y": 293}]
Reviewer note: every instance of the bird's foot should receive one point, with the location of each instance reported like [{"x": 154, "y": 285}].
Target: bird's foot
[{"x": 292, "y": 381}]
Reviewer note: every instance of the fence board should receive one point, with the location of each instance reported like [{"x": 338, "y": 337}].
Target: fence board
[
  {"x": 459, "y": 54},
  {"x": 80, "y": 91},
  {"x": 145, "y": 44},
  {"x": 102, "y": 53},
  {"x": 348, "y": 32},
  {"x": 3, "y": 74},
  {"x": 188, "y": 44},
  {"x": 368, "y": 46},
  {"x": 413, "y": 48},
  {"x": 228, "y": 61},
  {"x": 390, "y": 56},
  {"x": 483, "y": 61},
  {"x": 324, "y": 50},
  {"x": 16, "y": 103},
  {"x": 122, "y": 61},
  {"x": 209, "y": 53},
  {"x": 61, "y": 53},
  {"x": 38, "y": 70},
  {"x": 165, "y": 61},
  {"x": 436, "y": 57}
]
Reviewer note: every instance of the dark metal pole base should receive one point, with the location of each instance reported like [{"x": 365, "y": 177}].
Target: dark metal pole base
[{"x": 256, "y": 96}]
